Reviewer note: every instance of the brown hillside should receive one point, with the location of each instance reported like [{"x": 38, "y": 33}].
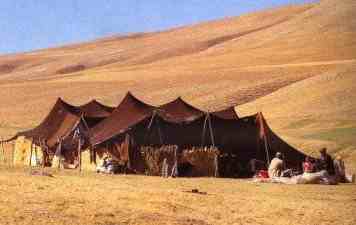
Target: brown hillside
[{"x": 300, "y": 50}]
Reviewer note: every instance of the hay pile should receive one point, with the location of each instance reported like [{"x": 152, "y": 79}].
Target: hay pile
[
  {"x": 199, "y": 162},
  {"x": 153, "y": 158}
]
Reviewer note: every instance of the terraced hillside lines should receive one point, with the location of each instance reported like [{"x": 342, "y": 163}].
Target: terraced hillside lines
[
  {"x": 295, "y": 63},
  {"x": 139, "y": 49},
  {"x": 315, "y": 112}
]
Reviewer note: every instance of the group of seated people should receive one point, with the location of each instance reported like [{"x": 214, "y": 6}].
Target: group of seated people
[{"x": 324, "y": 170}]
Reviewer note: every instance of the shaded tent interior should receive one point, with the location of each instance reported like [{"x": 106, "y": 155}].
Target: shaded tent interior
[{"x": 178, "y": 123}]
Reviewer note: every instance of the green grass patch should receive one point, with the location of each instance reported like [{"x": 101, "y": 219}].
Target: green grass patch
[
  {"x": 300, "y": 123},
  {"x": 342, "y": 135}
]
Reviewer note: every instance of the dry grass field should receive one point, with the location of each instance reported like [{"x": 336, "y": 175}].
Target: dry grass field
[
  {"x": 70, "y": 198},
  {"x": 296, "y": 64}
]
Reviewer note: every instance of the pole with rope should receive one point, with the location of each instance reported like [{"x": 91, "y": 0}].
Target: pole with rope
[
  {"x": 211, "y": 131},
  {"x": 204, "y": 131}
]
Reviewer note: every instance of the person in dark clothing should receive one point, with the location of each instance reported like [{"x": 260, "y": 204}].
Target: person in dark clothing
[{"x": 326, "y": 162}]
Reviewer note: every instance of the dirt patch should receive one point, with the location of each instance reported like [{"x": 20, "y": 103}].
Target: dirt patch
[
  {"x": 71, "y": 69},
  {"x": 7, "y": 68}
]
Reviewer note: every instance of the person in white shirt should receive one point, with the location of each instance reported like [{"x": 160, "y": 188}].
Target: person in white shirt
[{"x": 276, "y": 166}]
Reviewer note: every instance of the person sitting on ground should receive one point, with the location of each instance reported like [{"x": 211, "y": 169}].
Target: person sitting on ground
[
  {"x": 276, "y": 166},
  {"x": 326, "y": 162},
  {"x": 308, "y": 165},
  {"x": 254, "y": 167},
  {"x": 340, "y": 171},
  {"x": 104, "y": 164}
]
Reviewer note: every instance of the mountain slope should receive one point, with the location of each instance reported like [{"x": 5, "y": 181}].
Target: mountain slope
[{"x": 295, "y": 63}]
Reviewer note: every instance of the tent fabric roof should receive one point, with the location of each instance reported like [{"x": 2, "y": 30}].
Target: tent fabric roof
[
  {"x": 178, "y": 111},
  {"x": 228, "y": 114},
  {"x": 60, "y": 121},
  {"x": 127, "y": 114},
  {"x": 95, "y": 109}
]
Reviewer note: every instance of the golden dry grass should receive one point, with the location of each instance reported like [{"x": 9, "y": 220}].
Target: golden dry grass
[
  {"x": 297, "y": 64},
  {"x": 70, "y": 198}
]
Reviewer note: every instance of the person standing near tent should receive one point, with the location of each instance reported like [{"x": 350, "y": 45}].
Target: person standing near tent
[{"x": 276, "y": 166}]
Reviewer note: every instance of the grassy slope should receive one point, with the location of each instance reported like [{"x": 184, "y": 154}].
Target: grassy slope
[{"x": 213, "y": 65}]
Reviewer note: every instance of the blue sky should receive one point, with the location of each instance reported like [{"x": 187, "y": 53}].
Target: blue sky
[{"x": 33, "y": 24}]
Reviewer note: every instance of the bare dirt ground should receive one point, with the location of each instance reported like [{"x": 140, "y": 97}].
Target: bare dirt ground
[{"x": 70, "y": 198}]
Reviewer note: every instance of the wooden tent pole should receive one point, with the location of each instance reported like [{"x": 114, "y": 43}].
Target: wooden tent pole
[
  {"x": 266, "y": 148},
  {"x": 262, "y": 126},
  {"x": 2, "y": 153},
  {"x": 91, "y": 149},
  {"x": 216, "y": 164},
  {"x": 43, "y": 156},
  {"x": 30, "y": 158},
  {"x": 80, "y": 154},
  {"x": 4, "y": 158},
  {"x": 12, "y": 163},
  {"x": 60, "y": 152},
  {"x": 149, "y": 127}
]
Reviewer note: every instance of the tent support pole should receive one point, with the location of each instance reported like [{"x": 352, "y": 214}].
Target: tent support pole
[
  {"x": 30, "y": 158},
  {"x": 211, "y": 132},
  {"x": 60, "y": 153},
  {"x": 79, "y": 154},
  {"x": 204, "y": 131},
  {"x": 2, "y": 151},
  {"x": 44, "y": 155},
  {"x": 266, "y": 148},
  {"x": 216, "y": 164}
]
